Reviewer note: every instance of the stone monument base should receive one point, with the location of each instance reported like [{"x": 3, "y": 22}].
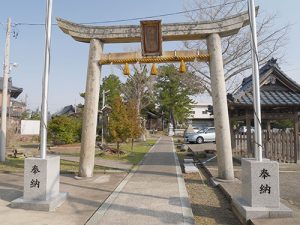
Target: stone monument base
[
  {"x": 47, "y": 205},
  {"x": 218, "y": 180},
  {"x": 41, "y": 185},
  {"x": 246, "y": 212}
]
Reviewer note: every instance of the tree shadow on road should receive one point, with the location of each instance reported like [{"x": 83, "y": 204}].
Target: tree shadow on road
[{"x": 9, "y": 195}]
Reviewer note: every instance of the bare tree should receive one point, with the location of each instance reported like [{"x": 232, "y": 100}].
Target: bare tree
[
  {"x": 236, "y": 48},
  {"x": 138, "y": 87}
]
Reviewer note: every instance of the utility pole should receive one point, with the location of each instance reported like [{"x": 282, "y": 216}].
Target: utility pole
[
  {"x": 102, "y": 130},
  {"x": 44, "y": 109},
  {"x": 6, "y": 69},
  {"x": 256, "y": 85},
  {"x": 103, "y": 105}
]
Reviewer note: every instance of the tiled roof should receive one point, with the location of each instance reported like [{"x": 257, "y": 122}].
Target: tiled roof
[
  {"x": 14, "y": 91},
  {"x": 272, "y": 95},
  {"x": 270, "y": 98},
  {"x": 270, "y": 67},
  {"x": 67, "y": 110}
]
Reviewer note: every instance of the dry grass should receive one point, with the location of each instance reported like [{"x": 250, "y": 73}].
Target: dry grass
[
  {"x": 132, "y": 156},
  {"x": 209, "y": 205}
]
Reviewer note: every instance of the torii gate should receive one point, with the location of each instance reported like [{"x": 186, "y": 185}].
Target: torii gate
[{"x": 97, "y": 36}]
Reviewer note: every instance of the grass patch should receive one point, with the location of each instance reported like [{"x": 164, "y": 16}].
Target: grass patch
[
  {"x": 76, "y": 154},
  {"x": 200, "y": 155},
  {"x": 70, "y": 167},
  {"x": 12, "y": 165},
  {"x": 16, "y": 165},
  {"x": 181, "y": 155},
  {"x": 134, "y": 156}
]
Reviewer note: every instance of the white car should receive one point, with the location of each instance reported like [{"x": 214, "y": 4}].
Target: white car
[{"x": 207, "y": 134}]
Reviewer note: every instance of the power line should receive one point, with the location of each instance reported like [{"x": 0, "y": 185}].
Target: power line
[
  {"x": 297, "y": 68},
  {"x": 137, "y": 18}
]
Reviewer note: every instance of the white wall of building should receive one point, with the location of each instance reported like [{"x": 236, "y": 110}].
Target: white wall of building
[
  {"x": 199, "y": 111},
  {"x": 200, "y": 118}
]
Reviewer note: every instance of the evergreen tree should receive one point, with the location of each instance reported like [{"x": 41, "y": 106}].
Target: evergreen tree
[
  {"x": 174, "y": 90},
  {"x": 64, "y": 130},
  {"x": 112, "y": 84}
]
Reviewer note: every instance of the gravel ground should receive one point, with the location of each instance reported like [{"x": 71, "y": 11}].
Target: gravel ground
[{"x": 209, "y": 205}]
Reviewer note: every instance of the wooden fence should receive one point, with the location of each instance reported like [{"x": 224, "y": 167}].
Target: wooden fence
[{"x": 278, "y": 146}]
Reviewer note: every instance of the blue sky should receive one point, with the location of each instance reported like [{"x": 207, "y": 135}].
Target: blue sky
[{"x": 69, "y": 58}]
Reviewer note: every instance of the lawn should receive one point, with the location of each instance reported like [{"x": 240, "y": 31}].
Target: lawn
[
  {"x": 13, "y": 165},
  {"x": 16, "y": 165},
  {"x": 134, "y": 156}
]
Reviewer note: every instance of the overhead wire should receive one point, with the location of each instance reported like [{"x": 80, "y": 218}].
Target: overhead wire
[
  {"x": 136, "y": 18},
  {"x": 297, "y": 68}
]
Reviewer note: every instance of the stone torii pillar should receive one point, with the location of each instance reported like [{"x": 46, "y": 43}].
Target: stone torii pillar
[
  {"x": 90, "y": 112},
  {"x": 219, "y": 96},
  {"x": 213, "y": 31}
]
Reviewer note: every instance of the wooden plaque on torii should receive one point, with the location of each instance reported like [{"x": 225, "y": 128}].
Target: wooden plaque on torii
[{"x": 151, "y": 38}]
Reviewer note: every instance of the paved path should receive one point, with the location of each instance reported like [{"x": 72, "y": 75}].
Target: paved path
[
  {"x": 103, "y": 162},
  {"x": 84, "y": 197},
  {"x": 152, "y": 194}
]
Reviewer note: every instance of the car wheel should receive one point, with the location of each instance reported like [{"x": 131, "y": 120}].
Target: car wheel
[{"x": 199, "y": 140}]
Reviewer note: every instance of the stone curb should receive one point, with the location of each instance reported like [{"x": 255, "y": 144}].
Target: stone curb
[
  {"x": 217, "y": 184},
  {"x": 188, "y": 216},
  {"x": 100, "y": 212}
]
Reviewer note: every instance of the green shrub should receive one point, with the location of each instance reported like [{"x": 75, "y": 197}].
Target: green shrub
[{"x": 64, "y": 130}]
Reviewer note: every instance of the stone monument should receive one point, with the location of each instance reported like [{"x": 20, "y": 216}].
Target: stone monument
[
  {"x": 171, "y": 130},
  {"x": 190, "y": 129},
  {"x": 41, "y": 185},
  {"x": 260, "y": 191}
]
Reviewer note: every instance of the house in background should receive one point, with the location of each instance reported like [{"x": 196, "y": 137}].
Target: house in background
[
  {"x": 66, "y": 111},
  {"x": 14, "y": 108},
  {"x": 201, "y": 115},
  {"x": 154, "y": 121}
]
